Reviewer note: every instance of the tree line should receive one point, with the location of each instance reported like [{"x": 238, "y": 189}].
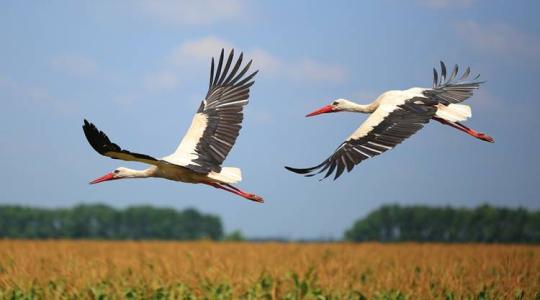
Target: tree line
[
  {"x": 485, "y": 224},
  {"x": 390, "y": 223},
  {"x": 103, "y": 222}
]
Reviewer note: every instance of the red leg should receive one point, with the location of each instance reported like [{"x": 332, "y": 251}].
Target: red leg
[
  {"x": 467, "y": 130},
  {"x": 247, "y": 195},
  {"x": 231, "y": 189}
]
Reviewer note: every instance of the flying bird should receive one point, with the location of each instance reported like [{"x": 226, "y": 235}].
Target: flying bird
[
  {"x": 396, "y": 115},
  {"x": 208, "y": 141}
]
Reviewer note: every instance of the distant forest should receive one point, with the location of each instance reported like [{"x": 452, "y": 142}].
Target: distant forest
[
  {"x": 104, "y": 222},
  {"x": 484, "y": 224},
  {"x": 390, "y": 223}
]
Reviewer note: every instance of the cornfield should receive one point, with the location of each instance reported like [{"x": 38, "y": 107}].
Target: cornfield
[{"x": 217, "y": 270}]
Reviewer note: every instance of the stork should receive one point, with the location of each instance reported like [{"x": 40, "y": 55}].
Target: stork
[
  {"x": 395, "y": 116},
  {"x": 212, "y": 134}
]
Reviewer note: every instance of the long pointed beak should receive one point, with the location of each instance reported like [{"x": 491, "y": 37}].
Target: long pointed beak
[
  {"x": 108, "y": 176},
  {"x": 322, "y": 110}
]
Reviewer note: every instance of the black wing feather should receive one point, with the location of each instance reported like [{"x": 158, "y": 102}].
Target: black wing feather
[
  {"x": 227, "y": 95},
  {"x": 400, "y": 124},
  {"x": 103, "y": 145},
  {"x": 452, "y": 90}
]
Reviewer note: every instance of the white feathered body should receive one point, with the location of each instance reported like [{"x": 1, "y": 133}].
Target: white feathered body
[
  {"x": 178, "y": 173},
  {"x": 451, "y": 112},
  {"x": 388, "y": 101}
]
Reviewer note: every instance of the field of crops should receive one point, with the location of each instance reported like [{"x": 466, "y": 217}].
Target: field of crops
[{"x": 213, "y": 270}]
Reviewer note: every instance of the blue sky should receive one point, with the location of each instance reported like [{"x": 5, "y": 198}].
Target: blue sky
[{"x": 138, "y": 70}]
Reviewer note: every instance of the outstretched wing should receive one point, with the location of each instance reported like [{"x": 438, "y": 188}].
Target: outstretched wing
[
  {"x": 217, "y": 123},
  {"x": 452, "y": 90},
  {"x": 101, "y": 143},
  {"x": 388, "y": 126}
]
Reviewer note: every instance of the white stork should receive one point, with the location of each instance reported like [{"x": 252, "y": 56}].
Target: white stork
[
  {"x": 203, "y": 149},
  {"x": 395, "y": 116}
]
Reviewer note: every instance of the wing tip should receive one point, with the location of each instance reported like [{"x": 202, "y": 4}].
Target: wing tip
[
  {"x": 297, "y": 170},
  {"x": 302, "y": 171},
  {"x": 443, "y": 80}
]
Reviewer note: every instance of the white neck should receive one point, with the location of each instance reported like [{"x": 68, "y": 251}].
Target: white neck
[
  {"x": 130, "y": 173},
  {"x": 355, "y": 107}
]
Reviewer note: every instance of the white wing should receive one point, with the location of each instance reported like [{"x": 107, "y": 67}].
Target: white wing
[{"x": 217, "y": 123}]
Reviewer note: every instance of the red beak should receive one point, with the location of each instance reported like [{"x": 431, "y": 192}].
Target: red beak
[
  {"x": 108, "y": 176},
  {"x": 322, "y": 110}
]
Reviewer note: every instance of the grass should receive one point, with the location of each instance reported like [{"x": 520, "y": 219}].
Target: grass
[{"x": 210, "y": 270}]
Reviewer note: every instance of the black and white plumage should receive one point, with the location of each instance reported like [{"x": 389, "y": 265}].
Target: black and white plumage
[
  {"x": 222, "y": 111},
  {"x": 211, "y": 136},
  {"x": 101, "y": 143},
  {"x": 395, "y": 116},
  {"x": 452, "y": 90}
]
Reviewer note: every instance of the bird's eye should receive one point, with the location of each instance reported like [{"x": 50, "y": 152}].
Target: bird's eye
[
  {"x": 335, "y": 103},
  {"x": 116, "y": 171}
]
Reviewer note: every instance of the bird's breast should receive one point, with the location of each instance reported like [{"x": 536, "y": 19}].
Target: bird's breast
[{"x": 178, "y": 173}]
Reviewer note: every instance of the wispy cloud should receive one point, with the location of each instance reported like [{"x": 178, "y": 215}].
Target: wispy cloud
[
  {"x": 311, "y": 70},
  {"x": 366, "y": 95},
  {"x": 302, "y": 69},
  {"x": 200, "y": 49},
  {"x": 485, "y": 99},
  {"x": 77, "y": 65},
  {"x": 500, "y": 39},
  {"x": 264, "y": 60},
  {"x": 23, "y": 93},
  {"x": 438, "y": 4},
  {"x": 260, "y": 116},
  {"x": 7, "y": 83},
  {"x": 34, "y": 96},
  {"x": 161, "y": 80},
  {"x": 192, "y": 12}
]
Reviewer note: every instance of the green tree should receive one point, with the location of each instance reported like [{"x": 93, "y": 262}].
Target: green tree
[
  {"x": 97, "y": 221},
  {"x": 235, "y": 236},
  {"x": 445, "y": 224}
]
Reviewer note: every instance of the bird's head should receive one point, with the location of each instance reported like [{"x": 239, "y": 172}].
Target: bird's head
[
  {"x": 336, "y": 106},
  {"x": 118, "y": 173}
]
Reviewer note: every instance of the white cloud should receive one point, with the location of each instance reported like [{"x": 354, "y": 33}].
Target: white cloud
[
  {"x": 366, "y": 95},
  {"x": 77, "y": 65},
  {"x": 35, "y": 96},
  {"x": 259, "y": 116},
  {"x": 127, "y": 100},
  {"x": 437, "y": 4},
  {"x": 201, "y": 49},
  {"x": 161, "y": 80},
  {"x": 263, "y": 60},
  {"x": 500, "y": 39},
  {"x": 7, "y": 83},
  {"x": 270, "y": 65},
  {"x": 301, "y": 70},
  {"x": 23, "y": 93},
  {"x": 192, "y": 12},
  {"x": 311, "y": 70},
  {"x": 485, "y": 99}
]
